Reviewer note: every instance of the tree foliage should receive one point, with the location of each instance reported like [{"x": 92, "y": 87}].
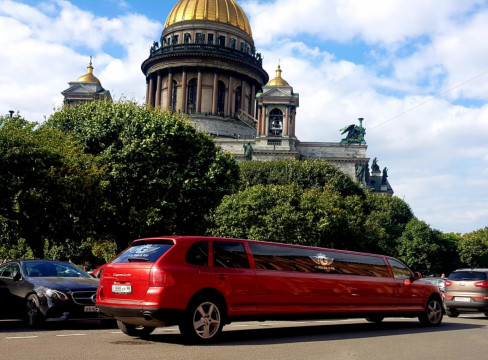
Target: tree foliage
[
  {"x": 306, "y": 174},
  {"x": 164, "y": 176},
  {"x": 473, "y": 248},
  {"x": 50, "y": 188},
  {"x": 288, "y": 213}
]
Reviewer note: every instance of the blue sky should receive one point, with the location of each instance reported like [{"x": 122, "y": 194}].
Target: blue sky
[{"x": 416, "y": 71}]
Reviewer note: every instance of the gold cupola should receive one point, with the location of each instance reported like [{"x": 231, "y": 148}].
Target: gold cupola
[
  {"x": 89, "y": 77},
  {"x": 278, "y": 80},
  {"x": 222, "y": 11}
]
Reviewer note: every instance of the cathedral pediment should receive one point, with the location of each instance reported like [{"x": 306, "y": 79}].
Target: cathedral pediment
[{"x": 277, "y": 92}]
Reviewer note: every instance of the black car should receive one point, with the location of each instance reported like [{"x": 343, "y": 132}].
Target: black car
[{"x": 36, "y": 290}]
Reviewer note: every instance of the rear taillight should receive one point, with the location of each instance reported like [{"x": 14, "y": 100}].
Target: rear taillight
[
  {"x": 482, "y": 284},
  {"x": 160, "y": 278},
  {"x": 447, "y": 283}
]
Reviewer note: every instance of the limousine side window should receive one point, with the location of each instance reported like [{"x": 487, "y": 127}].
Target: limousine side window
[
  {"x": 197, "y": 254},
  {"x": 399, "y": 270},
  {"x": 275, "y": 257},
  {"x": 229, "y": 254}
]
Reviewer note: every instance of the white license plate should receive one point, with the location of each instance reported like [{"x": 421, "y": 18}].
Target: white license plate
[
  {"x": 122, "y": 289},
  {"x": 90, "y": 309},
  {"x": 463, "y": 299}
]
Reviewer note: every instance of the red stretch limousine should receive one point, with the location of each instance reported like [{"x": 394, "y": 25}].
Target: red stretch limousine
[{"x": 203, "y": 283}]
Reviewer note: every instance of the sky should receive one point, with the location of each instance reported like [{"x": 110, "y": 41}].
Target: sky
[{"x": 415, "y": 70}]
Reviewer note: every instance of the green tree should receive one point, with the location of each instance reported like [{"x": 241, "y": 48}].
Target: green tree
[
  {"x": 386, "y": 219},
  {"x": 49, "y": 187},
  {"x": 290, "y": 214},
  {"x": 305, "y": 173},
  {"x": 420, "y": 247},
  {"x": 164, "y": 175},
  {"x": 473, "y": 248}
]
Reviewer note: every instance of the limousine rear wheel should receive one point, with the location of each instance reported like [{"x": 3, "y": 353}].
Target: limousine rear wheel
[
  {"x": 134, "y": 330},
  {"x": 432, "y": 315},
  {"x": 203, "y": 320}
]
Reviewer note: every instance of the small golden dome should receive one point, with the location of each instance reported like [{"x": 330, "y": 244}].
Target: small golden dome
[
  {"x": 278, "y": 80},
  {"x": 89, "y": 77},
  {"x": 223, "y": 11}
]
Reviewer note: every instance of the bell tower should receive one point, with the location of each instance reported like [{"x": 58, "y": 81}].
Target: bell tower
[{"x": 276, "y": 114}]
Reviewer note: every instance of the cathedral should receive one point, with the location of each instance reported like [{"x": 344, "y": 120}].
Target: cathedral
[{"x": 205, "y": 65}]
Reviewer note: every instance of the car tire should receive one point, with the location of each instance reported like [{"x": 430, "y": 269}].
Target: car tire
[
  {"x": 33, "y": 314},
  {"x": 452, "y": 313},
  {"x": 432, "y": 315},
  {"x": 486, "y": 313},
  {"x": 135, "y": 330},
  {"x": 375, "y": 319},
  {"x": 203, "y": 320}
]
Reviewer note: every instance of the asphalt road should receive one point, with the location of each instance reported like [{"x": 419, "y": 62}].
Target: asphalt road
[{"x": 460, "y": 338}]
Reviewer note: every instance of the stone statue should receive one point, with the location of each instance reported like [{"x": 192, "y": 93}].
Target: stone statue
[
  {"x": 385, "y": 175},
  {"x": 154, "y": 47},
  {"x": 355, "y": 134},
  {"x": 359, "y": 172},
  {"x": 248, "y": 150},
  {"x": 375, "y": 165}
]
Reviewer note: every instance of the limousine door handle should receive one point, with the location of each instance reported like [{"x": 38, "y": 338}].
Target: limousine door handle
[{"x": 221, "y": 277}]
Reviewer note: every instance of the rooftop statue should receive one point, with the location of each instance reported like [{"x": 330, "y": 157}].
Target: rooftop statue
[
  {"x": 355, "y": 134},
  {"x": 375, "y": 166}
]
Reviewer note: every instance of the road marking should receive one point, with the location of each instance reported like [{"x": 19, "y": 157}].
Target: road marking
[
  {"x": 71, "y": 335},
  {"x": 21, "y": 337}
]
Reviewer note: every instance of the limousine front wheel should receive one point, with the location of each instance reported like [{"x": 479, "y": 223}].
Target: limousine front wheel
[
  {"x": 203, "y": 320},
  {"x": 432, "y": 315}
]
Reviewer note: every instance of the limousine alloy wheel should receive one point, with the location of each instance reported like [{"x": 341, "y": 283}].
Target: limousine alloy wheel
[
  {"x": 202, "y": 321},
  {"x": 432, "y": 315}
]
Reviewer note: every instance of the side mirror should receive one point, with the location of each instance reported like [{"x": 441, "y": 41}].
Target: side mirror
[{"x": 417, "y": 275}]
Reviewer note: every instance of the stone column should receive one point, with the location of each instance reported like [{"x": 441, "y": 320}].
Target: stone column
[
  {"x": 230, "y": 96},
  {"x": 199, "y": 91},
  {"x": 151, "y": 90},
  {"x": 170, "y": 89},
  {"x": 253, "y": 100},
  {"x": 147, "y": 91},
  {"x": 259, "y": 121},
  {"x": 286, "y": 121},
  {"x": 158, "y": 90},
  {"x": 215, "y": 92},
  {"x": 242, "y": 105},
  {"x": 183, "y": 90}
]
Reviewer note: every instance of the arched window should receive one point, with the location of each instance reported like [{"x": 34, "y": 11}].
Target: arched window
[
  {"x": 237, "y": 105},
  {"x": 221, "y": 99},
  {"x": 174, "y": 96},
  {"x": 275, "y": 122},
  {"x": 192, "y": 96}
]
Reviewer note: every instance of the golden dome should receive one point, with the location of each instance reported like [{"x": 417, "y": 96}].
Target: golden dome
[
  {"x": 223, "y": 11},
  {"x": 89, "y": 77},
  {"x": 278, "y": 80}
]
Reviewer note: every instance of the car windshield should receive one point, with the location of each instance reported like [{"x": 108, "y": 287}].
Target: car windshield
[
  {"x": 52, "y": 269},
  {"x": 144, "y": 252},
  {"x": 468, "y": 275}
]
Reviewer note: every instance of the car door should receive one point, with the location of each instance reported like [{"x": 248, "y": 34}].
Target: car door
[
  {"x": 11, "y": 291},
  {"x": 233, "y": 276},
  {"x": 410, "y": 295}
]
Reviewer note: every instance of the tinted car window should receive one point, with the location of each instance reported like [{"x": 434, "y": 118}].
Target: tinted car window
[
  {"x": 467, "y": 275},
  {"x": 51, "y": 269},
  {"x": 197, "y": 254},
  {"x": 229, "y": 254},
  {"x": 9, "y": 270},
  {"x": 144, "y": 252},
  {"x": 400, "y": 271},
  {"x": 275, "y": 257}
]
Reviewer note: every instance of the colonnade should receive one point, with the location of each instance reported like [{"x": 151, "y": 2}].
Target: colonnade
[{"x": 155, "y": 86}]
